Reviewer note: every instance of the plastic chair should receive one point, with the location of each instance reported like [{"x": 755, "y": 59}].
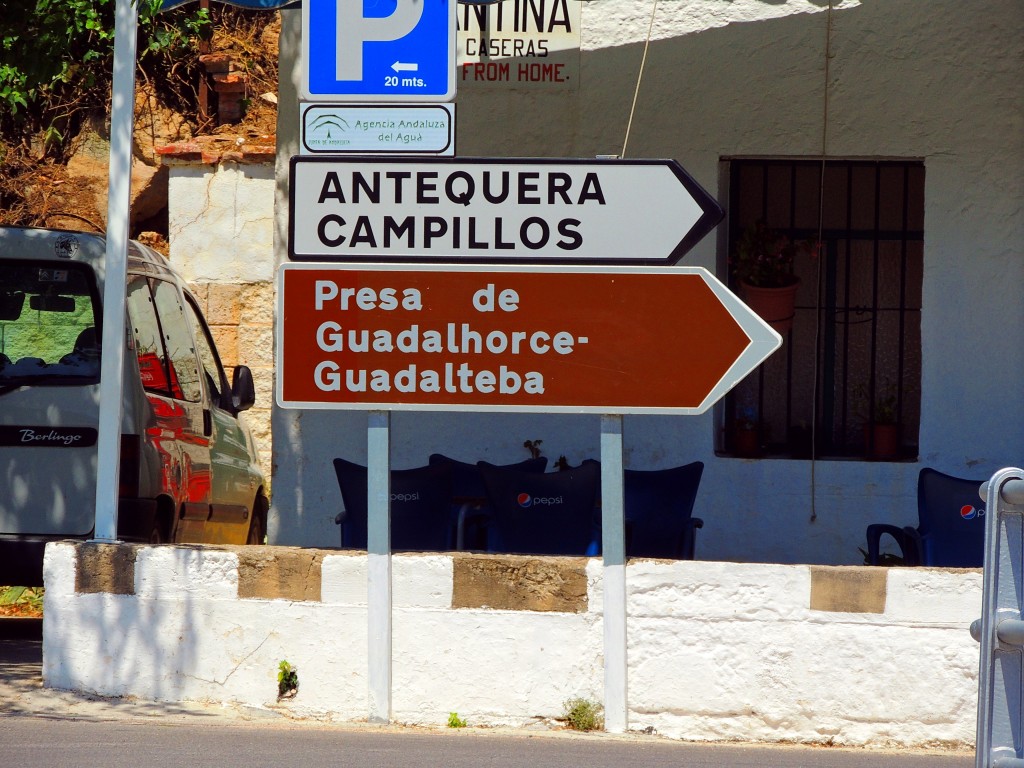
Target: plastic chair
[
  {"x": 421, "y": 519},
  {"x": 550, "y": 513},
  {"x": 659, "y": 508},
  {"x": 86, "y": 352},
  {"x": 951, "y": 525},
  {"x": 469, "y": 497}
]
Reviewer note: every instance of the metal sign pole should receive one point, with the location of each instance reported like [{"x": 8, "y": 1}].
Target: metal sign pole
[
  {"x": 378, "y": 571},
  {"x": 613, "y": 547},
  {"x": 116, "y": 270}
]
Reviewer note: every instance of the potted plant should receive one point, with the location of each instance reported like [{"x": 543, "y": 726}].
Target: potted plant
[
  {"x": 762, "y": 265},
  {"x": 881, "y": 425},
  {"x": 883, "y": 431},
  {"x": 746, "y": 434}
]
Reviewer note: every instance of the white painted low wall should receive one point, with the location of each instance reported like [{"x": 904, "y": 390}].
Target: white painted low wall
[{"x": 717, "y": 651}]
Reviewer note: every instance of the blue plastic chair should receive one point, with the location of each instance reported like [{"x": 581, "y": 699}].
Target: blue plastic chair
[
  {"x": 469, "y": 497},
  {"x": 659, "y": 511},
  {"x": 549, "y": 513},
  {"x": 951, "y": 525},
  {"x": 421, "y": 519}
]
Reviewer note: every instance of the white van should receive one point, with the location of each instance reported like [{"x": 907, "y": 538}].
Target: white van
[{"x": 188, "y": 471}]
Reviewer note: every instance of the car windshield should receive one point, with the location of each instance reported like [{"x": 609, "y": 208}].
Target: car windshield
[{"x": 48, "y": 314}]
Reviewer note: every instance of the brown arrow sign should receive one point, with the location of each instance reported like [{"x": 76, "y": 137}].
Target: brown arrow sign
[{"x": 598, "y": 340}]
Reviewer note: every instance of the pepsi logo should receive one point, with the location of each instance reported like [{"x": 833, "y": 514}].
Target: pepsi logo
[
  {"x": 967, "y": 512},
  {"x": 525, "y": 500}
]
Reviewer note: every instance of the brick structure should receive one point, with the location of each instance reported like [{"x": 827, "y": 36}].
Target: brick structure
[{"x": 229, "y": 84}]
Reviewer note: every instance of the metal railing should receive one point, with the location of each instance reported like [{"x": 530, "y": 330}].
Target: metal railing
[{"x": 1000, "y": 630}]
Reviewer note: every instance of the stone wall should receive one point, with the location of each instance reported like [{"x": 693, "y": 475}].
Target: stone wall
[{"x": 716, "y": 651}]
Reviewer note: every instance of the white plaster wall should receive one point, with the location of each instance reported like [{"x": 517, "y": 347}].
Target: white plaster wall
[
  {"x": 733, "y": 652},
  {"x": 941, "y": 81},
  {"x": 233, "y": 202},
  {"x": 716, "y": 651}
]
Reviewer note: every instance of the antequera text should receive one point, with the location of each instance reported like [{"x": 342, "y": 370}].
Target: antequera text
[{"x": 458, "y": 210}]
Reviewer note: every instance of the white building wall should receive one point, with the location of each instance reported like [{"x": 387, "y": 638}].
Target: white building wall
[
  {"x": 940, "y": 81},
  {"x": 233, "y": 202}
]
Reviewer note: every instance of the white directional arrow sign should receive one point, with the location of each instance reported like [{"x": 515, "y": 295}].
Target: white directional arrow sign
[{"x": 644, "y": 212}]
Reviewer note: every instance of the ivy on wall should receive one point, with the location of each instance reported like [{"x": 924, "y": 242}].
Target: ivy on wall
[{"x": 56, "y": 58}]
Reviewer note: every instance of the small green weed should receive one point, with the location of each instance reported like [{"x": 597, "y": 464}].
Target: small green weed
[
  {"x": 287, "y": 681},
  {"x": 454, "y": 721},
  {"x": 583, "y": 714}
]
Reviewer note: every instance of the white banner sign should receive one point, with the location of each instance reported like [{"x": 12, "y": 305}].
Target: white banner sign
[
  {"x": 520, "y": 44},
  {"x": 410, "y": 129}
]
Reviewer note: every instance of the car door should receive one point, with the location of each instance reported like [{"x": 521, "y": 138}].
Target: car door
[
  {"x": 233, "y": 480},
  {"x": 171, "y": 376}
]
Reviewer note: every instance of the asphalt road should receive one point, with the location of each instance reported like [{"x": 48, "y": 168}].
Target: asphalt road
[{"x": 41, "y": 727}]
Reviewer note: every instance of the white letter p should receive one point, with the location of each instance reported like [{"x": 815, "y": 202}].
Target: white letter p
[{"x": 354, "y": 29}]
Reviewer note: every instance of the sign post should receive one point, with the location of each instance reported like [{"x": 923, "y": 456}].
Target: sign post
[
  {"x": 579, "y": 337},
  {"x": 613, "y": 550},
  {"x": 108, "y": 461}
]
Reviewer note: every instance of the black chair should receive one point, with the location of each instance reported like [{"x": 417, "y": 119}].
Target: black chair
[
  {"x": 550, "y": 513},
  {"x": 421, "y": 519},
  {"x": 86, "y": 352},
  {"x": 469, "y": 497},
  {"x": 659, "y": 511},
  {"x": 951, "y": 525}
]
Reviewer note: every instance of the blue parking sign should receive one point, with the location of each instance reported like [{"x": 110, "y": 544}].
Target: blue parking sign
[{"x": 378, "y": 50}]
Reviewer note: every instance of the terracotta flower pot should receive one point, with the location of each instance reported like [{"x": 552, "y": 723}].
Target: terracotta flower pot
[
  {"x": 746, "y": 443},
  {"x": 882, "y": 441},
  {"x": 776, "y": 306}
]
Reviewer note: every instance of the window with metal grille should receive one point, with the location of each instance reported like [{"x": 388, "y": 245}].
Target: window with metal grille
[{"x": 847, "y": 381}]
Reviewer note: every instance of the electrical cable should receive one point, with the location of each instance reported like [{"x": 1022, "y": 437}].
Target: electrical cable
[
  {"x": 639, "y": 77},
  {"x": 818, "y": 250}
]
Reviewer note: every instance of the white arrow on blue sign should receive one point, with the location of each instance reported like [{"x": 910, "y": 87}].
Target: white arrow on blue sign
[{"x": 384, "y": 50}]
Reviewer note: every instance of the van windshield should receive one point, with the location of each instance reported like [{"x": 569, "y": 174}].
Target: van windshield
[{"x": 48, "y": 314}]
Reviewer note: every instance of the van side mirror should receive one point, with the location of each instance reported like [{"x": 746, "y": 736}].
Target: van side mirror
[{"x": 243, "y": 390}]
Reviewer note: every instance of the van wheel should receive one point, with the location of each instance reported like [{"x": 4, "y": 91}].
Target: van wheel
[
  {"x": 256, "y": 525},
  {"x": 156, "y": 536}
]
